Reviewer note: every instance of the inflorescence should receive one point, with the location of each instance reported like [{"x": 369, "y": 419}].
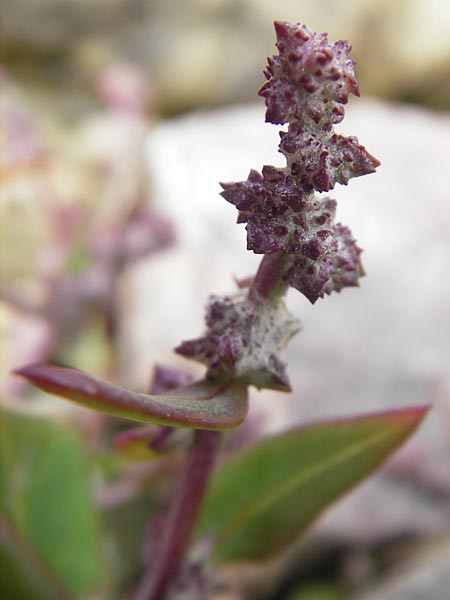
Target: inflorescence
[{"x": 308, "y": 84}]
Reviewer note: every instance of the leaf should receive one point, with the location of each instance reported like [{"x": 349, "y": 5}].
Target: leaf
[
  {"x": 203, "y": 405},
  {"x": 261, "y": 499},
  {"x": 135, "y": 443},
  {"x": 23, "y": 573},
  {"x": 45, "y": 495},
  {"x": 147, "y": 442}
]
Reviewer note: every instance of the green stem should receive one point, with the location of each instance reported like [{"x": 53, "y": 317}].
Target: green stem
[{"x": 183, "y": 512}]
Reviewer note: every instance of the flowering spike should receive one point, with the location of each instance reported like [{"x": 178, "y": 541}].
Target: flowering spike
[{"x": 308, "y": 84}]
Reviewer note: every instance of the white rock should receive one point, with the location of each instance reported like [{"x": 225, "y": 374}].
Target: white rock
[{"x": 384, "y": 345}]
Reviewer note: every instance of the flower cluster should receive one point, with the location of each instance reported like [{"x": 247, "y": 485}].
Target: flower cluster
[
  {"x": 310, "y": 79},
  {"x": 308, "y": 84},
  {"x": 244, "y": 343}
]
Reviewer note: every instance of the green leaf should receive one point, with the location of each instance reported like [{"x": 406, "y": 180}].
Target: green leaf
[
  {"x": 147, "y": 442},
  {"x": 23, "y": 575},
  {"x": 135, "y": 443},
  {"x": 202, "y": 405},
  {"x": 263, "y": 498},
  {"x": 45, "y": 495}
]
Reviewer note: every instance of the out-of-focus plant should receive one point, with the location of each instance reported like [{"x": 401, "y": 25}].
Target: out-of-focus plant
[
  {"x": 72, "y": 223},
  {"x": 82, "y": 277},
  {"x": 261, "y": 498},
  {"x": 70, "y": 288}
]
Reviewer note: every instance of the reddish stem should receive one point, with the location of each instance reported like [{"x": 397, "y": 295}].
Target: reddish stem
[
  {"x": 186, "y": 503},
  {"x": 268, "y": 283}
]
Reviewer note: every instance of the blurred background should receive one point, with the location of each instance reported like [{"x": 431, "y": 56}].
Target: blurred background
[
  {"x": 117, "y": 120},
  {"x": 193, "y": 52}
]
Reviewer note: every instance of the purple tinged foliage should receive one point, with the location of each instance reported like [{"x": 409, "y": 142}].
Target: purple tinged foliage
[{"x": 308, "y": 84}]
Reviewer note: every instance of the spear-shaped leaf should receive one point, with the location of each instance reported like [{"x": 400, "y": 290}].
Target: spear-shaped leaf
[
  {"x": 263, "y": 498},
  {"x": 203, "y": 405}
]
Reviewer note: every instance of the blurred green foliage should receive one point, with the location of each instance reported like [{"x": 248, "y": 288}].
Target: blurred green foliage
[{"x": 44, "y": 492}]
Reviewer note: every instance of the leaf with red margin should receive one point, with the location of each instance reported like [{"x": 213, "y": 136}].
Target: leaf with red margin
[
  {"x": 202, "y": 405},
  {"x": 263, "y": 498}
]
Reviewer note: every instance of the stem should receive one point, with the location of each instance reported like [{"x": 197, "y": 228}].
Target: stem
[
  {"x": 268, "y": 283},
  {"x": 183, "y": 512}
]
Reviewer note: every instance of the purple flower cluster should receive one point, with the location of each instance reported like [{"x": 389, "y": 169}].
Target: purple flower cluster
[
  {"x": 310, "y": 79},
  {"x": 244, "y": 343},
  {"x": 308, "y": 84}
]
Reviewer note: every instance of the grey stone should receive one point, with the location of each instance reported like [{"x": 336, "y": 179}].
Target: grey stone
[
  {"x": 428, "y": 578},
  {"x": 194, "y": 51}
]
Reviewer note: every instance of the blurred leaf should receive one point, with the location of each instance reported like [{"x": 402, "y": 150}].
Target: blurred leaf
[
  {"x": 203, "y": 405},
  {"x": 263, "y": 498},
  {"x": 147, "y": 443},
  {"x": 22, "y": 573},
  {"x": 135, "y": 443},
  {"x": 126, "y": 526},
  {"x": 44, "y": 492}
]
